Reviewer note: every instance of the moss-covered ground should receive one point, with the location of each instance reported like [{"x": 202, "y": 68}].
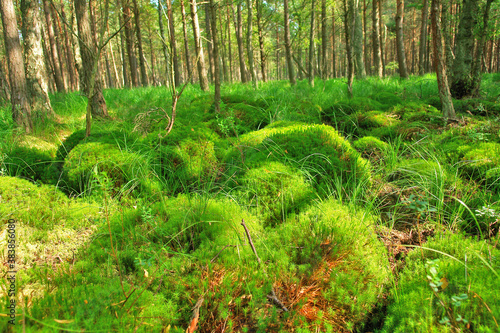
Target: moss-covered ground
[{"x": 295, "y": 209}]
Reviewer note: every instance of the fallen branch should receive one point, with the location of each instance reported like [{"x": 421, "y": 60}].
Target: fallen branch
[
  {"x": 273, "y": 298},
  {"x": 218, "y": 254},
  {"x": 194, "y": 318}
]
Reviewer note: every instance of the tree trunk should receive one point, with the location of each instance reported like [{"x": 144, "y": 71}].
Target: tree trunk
[
  {"x": 357, "y": 41},
  {"x": 173, "y": 46},
  {"x": 202, "y": 72},
  {"x": 462, "y": 81},
  {"x": 366, "y": 57},
  {"x": 324, "y": 41},
  {"x": 54, "y": 57},
  {"x": 90, "y": 79},
  {"x": 129, "y": 41},
  {"x": 403, "y": 71},
  {"x": 334, "y": 45},
  {"x": 126, "y": 77},
  {"x": 35, "y": 70},
  {"x": 186, "y": 43},
  {"x": 4, "y": 85},
  {"x": 377, "y": 54},
  {"x": 209, "y": 40},
  {"x": 61, "y": 51},
  {"x": 21, "y": 110},
  {"x": 288, "y": 51},
  {"x": 310, "y": 60},
  {"x": 215, "y": 48},
  {"x": 228, "y": 22},
  {"x": 161, "y": 13},
  {"x": 382, "y": 37},
  {"x": 70, "y": 59},
  {"x": 349, "y": 17},
  {"x": 251, "y": 66},
  {"x": 239, "y": 41},
  {"x": 476, "y": 65},
  {"x": 261, "y": 41},
  {"x": 440, "y": 64},
  {"x": 448, "y": 38},
  {"x": 142, "y": 65}
]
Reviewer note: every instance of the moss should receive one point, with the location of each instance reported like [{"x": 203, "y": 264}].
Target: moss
[
  {"x": 31, "y": 163},
  {"x": 124, "y": 170},
  {"x": 331, "y": 114},
  {"x": 316, "y": 149},
  {"x": 414, "y": 307},
  {"x": 276, "y": 191},
  {"x": 482, "y": 162},
  {"x": 374, "y": 123},
  {"x": 41, "y": 206},
  {"x": 371, "y": 147}
]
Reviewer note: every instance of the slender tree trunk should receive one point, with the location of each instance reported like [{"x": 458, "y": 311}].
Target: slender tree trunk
[
  {"x": 228, "y": 22},
  {"x": 288, "y": 51},
  {"x": 4, "y": 84},
  {"x": 70, "y": 59},
  {"x": 36, "y": 73},
  {"x": 377, "y": 54},
  {"x": 90, "y": 79},
  {"x": 440, "y": 64},
  {"x": 213, "y": 17},
  {"x": 310, "y": 60},
  {"x": 239, "y": 41},
  {"x": 251, "y": 66},
  {"x": 357, "y": 41},
  {"x": 382, "y": 37},
  {"x": 54, "y": 56},
  {"x": 366, "y": 58},
  {"x": 202, "y": 72},
  {"x": 113, "y": 62},
  {"x": 209, "y": 40},
  {"x": 403, "y": 71},
  {"x": 462, "y": 81},
  {"x": 126, "y": 77},
  {"x": 138, "y": 34},
  {"x": 61, "y": 51},
  {"x": 324, "y": 41},
  {"x": 186, "y": 43},
  {"x": 349, "y": 17},
  {"x": 173, "y": 46},
  {"x": 21, "y": 110},
  {"x": 476, "y": 64},
  {"x": 334, "y": 45},
  {"x": 129, "y": 40},
  {"x": 448, "y": 38},
  {"x": 223, "y": 50},
  {"x": 161, "y": 13},
  {"x": 261, "y": 41}
]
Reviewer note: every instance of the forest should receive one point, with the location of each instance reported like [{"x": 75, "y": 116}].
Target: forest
[{"x": 250, "y": 166}]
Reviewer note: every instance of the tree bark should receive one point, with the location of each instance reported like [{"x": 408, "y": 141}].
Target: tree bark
[
  {"x": 202, "y": 72},
  {"x": 70, "y": 58},
  {"x": 129, "y": 41},
  {"x": 403, "y": 71},
  {"x": 288, "y": 51},
  {"x": 310, "y": 60},
  {"x": 239, "y": 41},
  {"x": 61, "y": 51},
  {"x": 173, "y": 45},
  {"x": 334, "y": 45},
  {"x": 161, "y": 13},
  {"x": 21, "y": 110},
  {"x": 357, "y": 41},
  {"x": 208, "y": 31},
  {"x": 215, "y": 48},
  {"x": 142, "y": 65},
  {"x": 186, "y": 43},
  {"x": 440, "y": 64},
  {"x": 229, "y": 44},
  {"x": 90, "y": 79},
  {"x": 251, "y": 66},
  {"x": 348, "y": 27},
  {"x": 324, "y": 41},
  {"x": 54, "y": 56},
  {"x": 462, "y": 83},
  {"x": 377, "y": 54},
  {"x": 261, "y": 41},
  {"x": 126, "y": 77},
  {"x": 35, "y": 70},
  {"x": 476, "y": 65}
]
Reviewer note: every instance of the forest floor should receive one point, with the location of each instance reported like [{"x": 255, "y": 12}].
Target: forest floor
[{"x": 295, "y": 209}]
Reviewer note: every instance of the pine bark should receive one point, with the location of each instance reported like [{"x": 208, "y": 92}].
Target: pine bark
[
  {"x": 173, "y": 44},
  {"x": 166, "y": 56},
  {"x": 476, "y": 65},
  {"x": 200, "y": 61},
  {"x": 54, "y": 56},
  {"x": 186, "y": 43},
  {"x": 251, "y": 66},
  {"x": 21, "y": 110},
  {"x": 263, "y": 57},
  {"x": 123, "y": 56},
  {"x": 209, "y": 40},
  {"x": 90, "y": 78},
  {"x": 35, "y": 70},
  {"x": 377, "y": 54},
  {"x": 310, "y": 60},
  {"x": 324, "y": 41},
  {"x": 357, "y": 41},
  {"x": 400, "y": 49},
  {"x": 215, "y": 48},
  {"x": 440, "y": 64},
  {"x": 334, "y": 45},
  {"x": 239, "y": 41},
  {"x": 348, "y": 28},
  {"x": 129, "y": 41},
  {"x": 288, "y": 47},
  {"x": 142, "y": 64}
]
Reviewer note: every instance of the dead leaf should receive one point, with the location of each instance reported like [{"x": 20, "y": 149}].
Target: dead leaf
[
  {"x": 64, "y": 321},
  {"x": 444, "y": 282}
]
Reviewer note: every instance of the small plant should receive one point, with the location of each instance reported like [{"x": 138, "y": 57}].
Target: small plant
[
  {"x": 422, "y": 207},
  {"x": 438, "y": 283}
]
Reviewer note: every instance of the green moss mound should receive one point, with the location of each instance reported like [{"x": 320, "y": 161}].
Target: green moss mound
[
  {"x": 316, "y": 149},
  {"x": 371, "y": 147},
  {"x": 483, "y": 163},
  {"x": 336, "y": 249},
  {"x": 415, "y": 307},
  {"x": 41, "y": 206},
  {"x": 276, "y": 191},
  {"x": 30, "y": 163},
  {"x": 125, "y": 171}
]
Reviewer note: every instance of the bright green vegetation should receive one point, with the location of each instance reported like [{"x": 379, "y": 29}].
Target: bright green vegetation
[{"x": 366, "y": 214}]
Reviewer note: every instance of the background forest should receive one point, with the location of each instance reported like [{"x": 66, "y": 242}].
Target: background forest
[{"x": 251, "y": 166}]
